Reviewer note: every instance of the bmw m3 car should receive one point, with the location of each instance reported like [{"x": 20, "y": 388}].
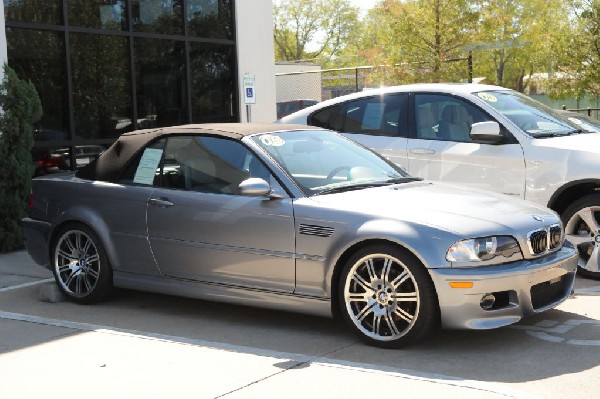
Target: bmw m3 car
[{"x": 300, "y": 219}]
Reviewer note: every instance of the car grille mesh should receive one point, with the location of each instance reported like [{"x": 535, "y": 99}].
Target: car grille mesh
[
  {"x": 313, "y": 230},
  {"x": 550, "y": 292},
  {"x": 545, "y": 240},
  {"x": 556, "y": 235},
  {"x": 538, "y": 241}
]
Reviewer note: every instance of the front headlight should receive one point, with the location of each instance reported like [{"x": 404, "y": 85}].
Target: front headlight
[{"x": 497, "y": 249}]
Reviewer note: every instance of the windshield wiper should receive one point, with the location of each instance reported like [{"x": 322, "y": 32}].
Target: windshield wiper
[
  {"x": 561, "y": 134},
  {"x": 400, "y": 180},
  {"x": 360, "y": 186},
  {"x": 351, "y": 187}
]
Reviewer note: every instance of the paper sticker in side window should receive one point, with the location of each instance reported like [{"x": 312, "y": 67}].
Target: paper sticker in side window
[{"x": 146, "y": 170}]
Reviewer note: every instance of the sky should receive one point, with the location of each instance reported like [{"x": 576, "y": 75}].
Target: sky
[{"x": 364, "y": 4}]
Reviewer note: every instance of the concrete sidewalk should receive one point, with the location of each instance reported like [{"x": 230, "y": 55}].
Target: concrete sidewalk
[
  {"x": 18, "y": 268},
  {"x": 53, "y": 356}
]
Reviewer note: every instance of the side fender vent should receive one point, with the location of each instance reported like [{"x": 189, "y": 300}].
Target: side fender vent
[{"x": 312, "y": 230}]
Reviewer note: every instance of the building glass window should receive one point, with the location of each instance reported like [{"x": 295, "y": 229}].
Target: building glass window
[
  {"x": 212, "y": 71},
  {"x": 101, "y": 85},
  {"x": 101, "y": 14},
  {"x": 161, "y": 82},
  {"x": 119, "y": 65},
  {"x": 35, "y": 11},
  {"x": 158, "y": 16},
  {"x": 38, "y": 56},
  {"x": 210, "y": 18}
]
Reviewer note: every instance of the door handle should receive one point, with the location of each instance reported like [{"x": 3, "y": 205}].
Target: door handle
[
  {"x": 422, "y": 151},
  {"x": 160, "y": 202}
]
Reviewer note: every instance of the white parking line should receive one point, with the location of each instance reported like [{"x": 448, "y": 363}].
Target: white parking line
[
  {"x": 16, "y": 287},
  {"x": 315, "y": 360}
]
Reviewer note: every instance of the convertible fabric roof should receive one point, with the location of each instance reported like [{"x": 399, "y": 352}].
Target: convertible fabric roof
[{"x": 110, "y": 164}]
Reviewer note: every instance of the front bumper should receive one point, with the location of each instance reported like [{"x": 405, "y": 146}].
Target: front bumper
[
  {"x": 523, "y": 288},
  {"x": 36, "y": 235}
]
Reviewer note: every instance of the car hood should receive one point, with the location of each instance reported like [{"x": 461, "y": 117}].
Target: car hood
[
  {"x": 464, "y": 211},
  {"x": 587, "y": 142}
]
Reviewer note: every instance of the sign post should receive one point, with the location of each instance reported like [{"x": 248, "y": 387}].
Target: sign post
[{"x": 249, "y": 93}]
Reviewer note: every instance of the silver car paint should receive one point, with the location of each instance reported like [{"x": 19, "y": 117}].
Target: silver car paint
[
  {"x": 533, "y": 169},
  {"x": 241, "y": 240},
  {"x": 427, "y": 234},
  {"x": 410, "y": 215}
]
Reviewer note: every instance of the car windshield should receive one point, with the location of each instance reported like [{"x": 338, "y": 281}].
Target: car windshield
[
  {"x": 323, "y": 162},
  {"x": 583, "y": 122},
  {"x": 531, "y": 116}
]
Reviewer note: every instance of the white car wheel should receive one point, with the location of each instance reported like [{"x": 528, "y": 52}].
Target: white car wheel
[{"x": 582, "y": 228}]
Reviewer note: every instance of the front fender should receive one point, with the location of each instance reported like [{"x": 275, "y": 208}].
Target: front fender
[{"x": 428, "y": 244}]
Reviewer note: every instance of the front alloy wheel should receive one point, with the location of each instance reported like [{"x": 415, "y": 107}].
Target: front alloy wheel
[
  {"x": 388, "y": 298},
  {"x": 81, "y": 268},
  {"x": 582, "y": 229}
]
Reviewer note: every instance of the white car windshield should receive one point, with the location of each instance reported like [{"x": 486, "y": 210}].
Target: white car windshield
[
  {"x": 323, "y": 162},
  {"x": 531, "y": 116}
]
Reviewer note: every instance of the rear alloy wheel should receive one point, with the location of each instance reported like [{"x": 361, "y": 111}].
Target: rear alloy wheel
[
  {"x": 387, "y": 297},
  {"x": 80, "y": 266},
  {"x": 582, "y": 228}
]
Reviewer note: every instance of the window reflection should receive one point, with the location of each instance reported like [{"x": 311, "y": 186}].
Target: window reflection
[
  {"x": 101, "y": 85},
  {"x": 212, "y": 68},
  {"x": 161, "y": 82},
  {"x": 104, "y": 14},
  {"x": 38, "y": 56},
  {"x": 210, "y": 18},
  {"x": 158, "y": 16},
  {"x": 38, "y": 11}
]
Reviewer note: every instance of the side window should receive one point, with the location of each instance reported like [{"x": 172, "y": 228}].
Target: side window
[
  {"x": 209, "y": 164},
  {"x": 325, "y": 118},
  {"x": 145, "y": 169},
  {"x": 380, "y": 115},
  {"x": 447, "y": 118}
]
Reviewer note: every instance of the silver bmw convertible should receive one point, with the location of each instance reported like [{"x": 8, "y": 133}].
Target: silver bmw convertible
[{"x": 300, "y": 219}]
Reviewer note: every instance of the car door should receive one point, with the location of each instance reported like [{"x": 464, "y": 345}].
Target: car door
[
  {"x": 440, "y": 147},
  {"x": 377, "y": 122},
  {"x": 200, "y": 228}
]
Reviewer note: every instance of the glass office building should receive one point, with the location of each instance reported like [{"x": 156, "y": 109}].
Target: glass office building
[{"x": 105, "y": 67}]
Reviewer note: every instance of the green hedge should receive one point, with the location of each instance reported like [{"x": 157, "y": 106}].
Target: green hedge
[{"x": 20, "y": 108}]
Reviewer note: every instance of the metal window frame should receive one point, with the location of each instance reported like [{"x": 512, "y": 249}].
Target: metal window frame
[{"x": 66, "y": 29}]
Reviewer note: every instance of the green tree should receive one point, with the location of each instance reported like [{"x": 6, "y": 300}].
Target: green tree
[
  {"x": 20, "y": 109},
  {"x": 580, "y": 65},
  {"x": 424, "y": 39},
  {"x": 514, "y": 39},
  {"x": 326, "y": 25}
]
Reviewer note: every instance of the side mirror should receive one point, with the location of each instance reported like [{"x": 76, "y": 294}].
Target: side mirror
[
  {"x": 486, "y": 132},
  {"x": 255, "y": 187}
]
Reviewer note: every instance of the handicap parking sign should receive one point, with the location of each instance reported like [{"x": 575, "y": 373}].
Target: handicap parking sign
[{"x": 250, "y": 93}]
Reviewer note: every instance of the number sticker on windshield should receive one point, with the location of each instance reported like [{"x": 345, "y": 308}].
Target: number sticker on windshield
[
  {"x": 490, "y": 98},
  {"x": 269, "y": 140}
]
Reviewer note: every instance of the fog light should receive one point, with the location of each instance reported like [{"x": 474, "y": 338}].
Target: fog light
[{"x": 487, "y": 302}]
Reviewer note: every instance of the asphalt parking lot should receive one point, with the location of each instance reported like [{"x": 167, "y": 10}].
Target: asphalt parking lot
[{"x": 147, "y": 345}]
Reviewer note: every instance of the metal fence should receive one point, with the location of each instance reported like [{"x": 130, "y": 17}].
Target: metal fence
[
  {"x": 325, "y": 84},
  {"x": 591, "y": 112}
]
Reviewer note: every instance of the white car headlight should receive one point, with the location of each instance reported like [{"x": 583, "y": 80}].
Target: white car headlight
[{"x": 492, "y": 250}]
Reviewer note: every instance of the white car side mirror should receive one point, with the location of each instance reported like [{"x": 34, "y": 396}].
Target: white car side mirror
[{"x": 486, "y": 132}]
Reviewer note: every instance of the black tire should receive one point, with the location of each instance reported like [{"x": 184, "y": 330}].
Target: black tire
[
  {"x": 387, "y": 297},
  {"x": 80, "y": 265},
  {"x": 582, "y": 228}
]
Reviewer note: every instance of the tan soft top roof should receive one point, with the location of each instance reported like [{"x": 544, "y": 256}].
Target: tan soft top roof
[{"x": 109, "y": 165}]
